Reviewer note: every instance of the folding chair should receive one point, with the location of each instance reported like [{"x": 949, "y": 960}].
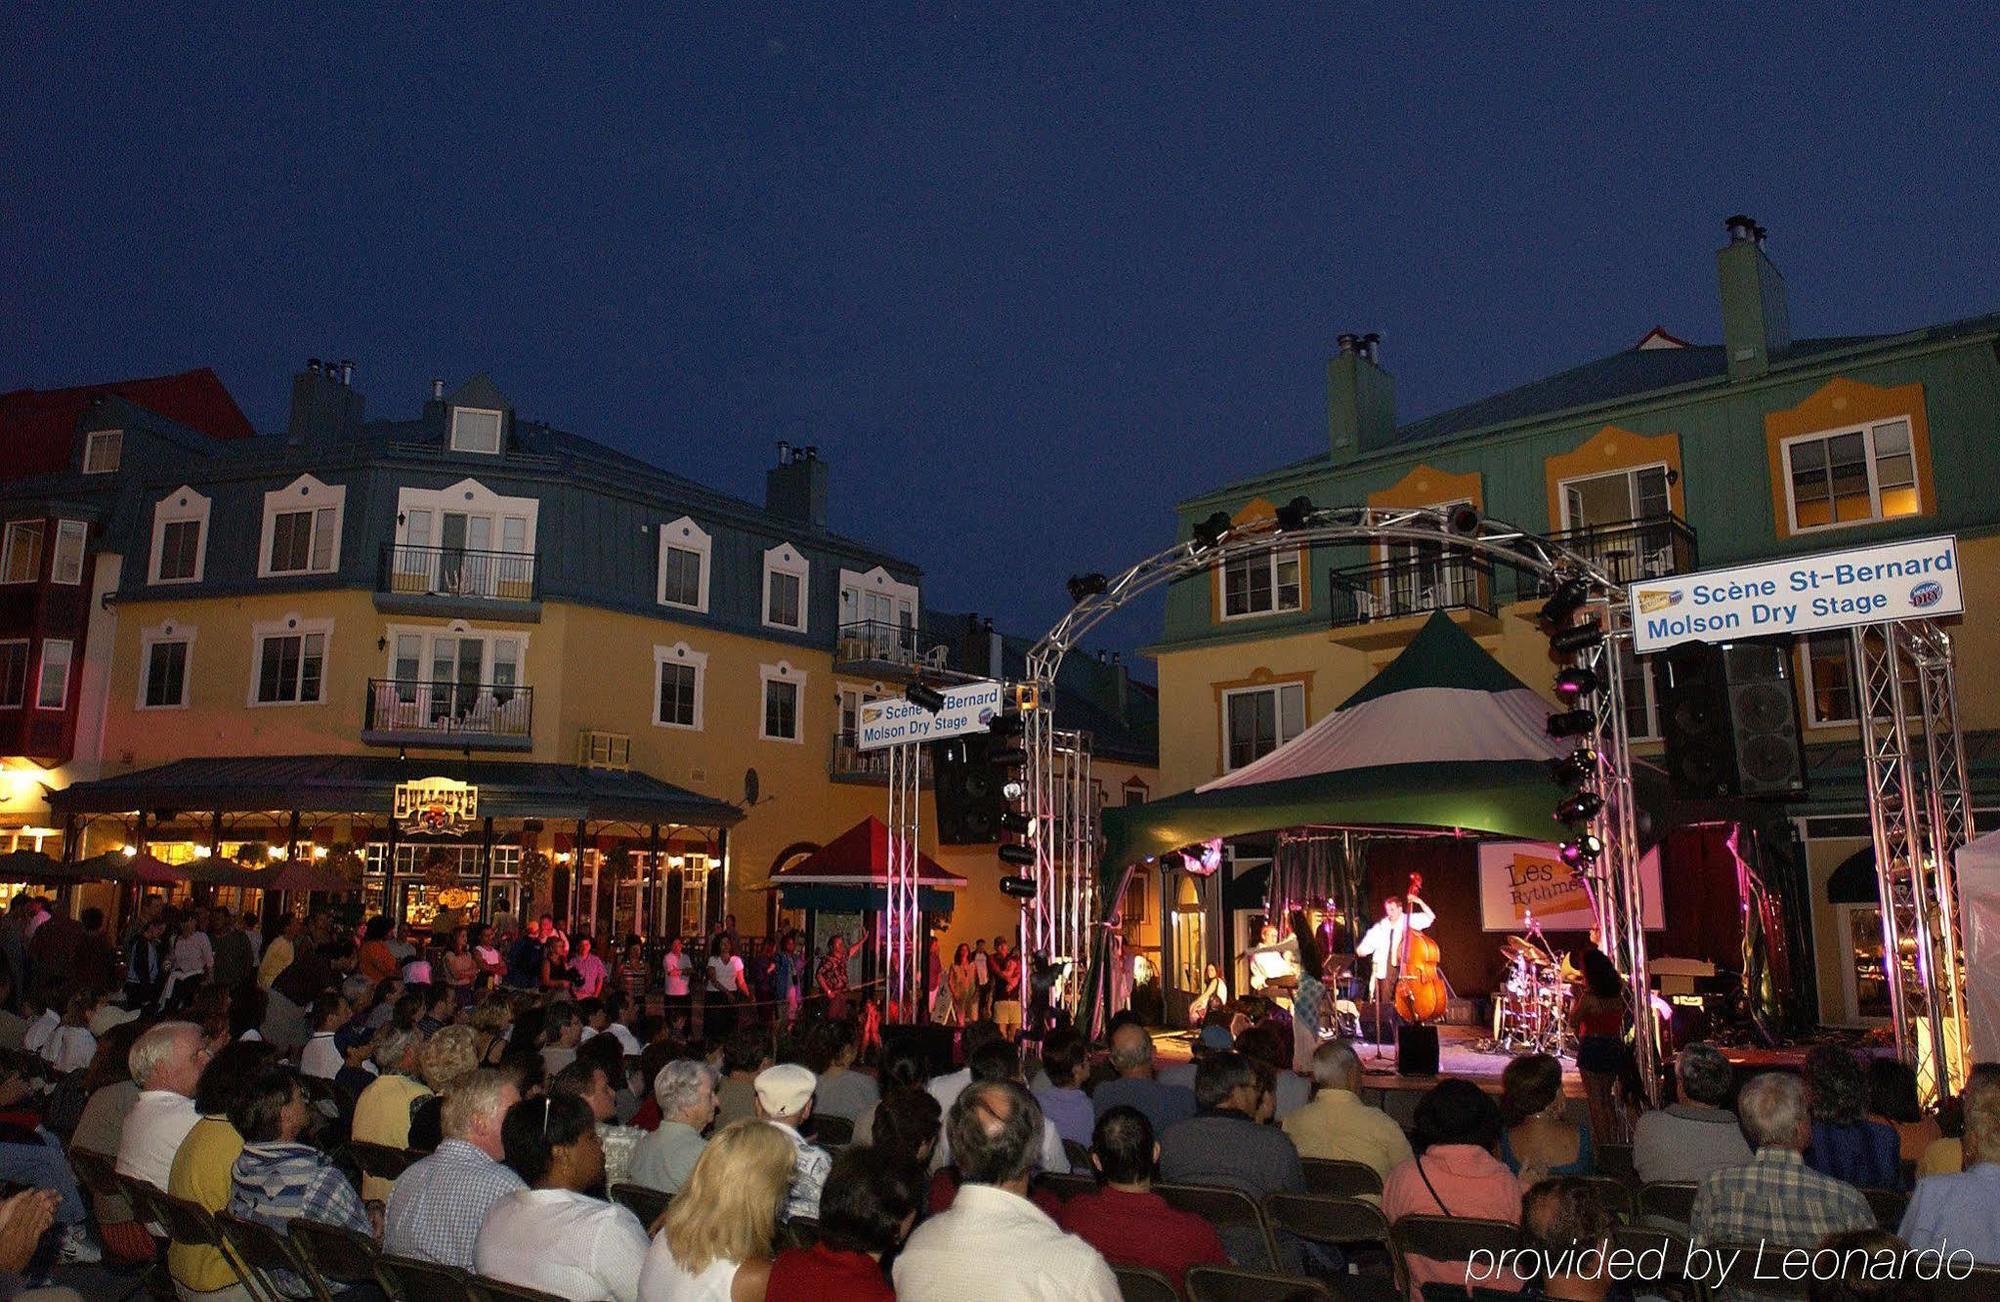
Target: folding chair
[
  {"x": 1448, "y": 1239},
  {"x": 833, "y": 1132},
  {"x": 265, "y": 1250},
  {"x": 1617, "y": 1195},
  {"x": 1667, "y": 1200},
  {"x": 1982, "y": 1284},
  {"x": 648, "y": 1204},
  {"x": 405, "y": 1279},
  {"x": 1063, "y": 1186},
  {"x": 1234, "y": 1284},
  {"x": 379, "y": 1160},
  {"x": 1137, "y": 1284},
  {"x": 1615, "y": 1160},
  {"x": 496, "y": 1290},
  {"x": 191, "y": 1223},
  {"x": 1078, "y": 1155},
  {"x": 338, "y": 1257},
  {"x": 1334, "y": 1178},
  {"x": 1227, "y": 1210},
  {"x": 1355, "y": 1227},
  {"x": 1888, "y": 1206},
  {"x": 1672, "y": 1246}
]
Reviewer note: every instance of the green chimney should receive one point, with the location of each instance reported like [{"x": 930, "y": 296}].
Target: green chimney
[
  {"x": 1360, "y": 400},
  {"x": 1755, "y": 323}
]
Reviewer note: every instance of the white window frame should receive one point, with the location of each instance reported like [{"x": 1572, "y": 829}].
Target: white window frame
[
  {"x": 782, "y": 672},
  {"x": 680, "y": 653},
  {"x": 1298, "y": 555},
  {"x": 1867, "y": 432},
  {"x": 159, "y": 635},
  {"x": 499, "y": 431},
  {"x": 42, "y": 671},
  {"x": 292, "y": 625},
  {"x": 306, "y": 493},
  {"x": 854, "y": 585},
  {"x": 1630, "y": 473},
  {"x": 1810, "y": 689},
  {"x": 27, "y": 670},
  {"x": 7, "y": 545},
  {"x": 1650, "y": 686},
  {"x": 428, "y": 634},
  {"x": 69, "y": 529},
  {"x": 95, "y": 440},
  {"x": 687, "y": 536},
  {"x": 787, "y": 559},
  {"x": 1278, "y": 710},
  {"x": 182, "y": 506}
]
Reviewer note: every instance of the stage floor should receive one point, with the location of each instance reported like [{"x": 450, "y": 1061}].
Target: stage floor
[{"x": 1456, "y": 1057}]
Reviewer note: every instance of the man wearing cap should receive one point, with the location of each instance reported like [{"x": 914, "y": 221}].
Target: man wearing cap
[{"x": 785, "y": 1099}]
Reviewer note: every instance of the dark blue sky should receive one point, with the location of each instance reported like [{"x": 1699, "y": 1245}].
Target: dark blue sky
[{"x": 1024, "y": 281}]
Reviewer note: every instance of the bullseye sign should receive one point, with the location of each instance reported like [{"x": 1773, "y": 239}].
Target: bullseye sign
[{"x": 436, "y": 806}]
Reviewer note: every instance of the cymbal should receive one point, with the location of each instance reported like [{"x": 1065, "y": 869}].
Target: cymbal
[{"x": 1516, "y": 947}]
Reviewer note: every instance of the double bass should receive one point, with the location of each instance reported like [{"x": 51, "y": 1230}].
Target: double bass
[{"x": 1420, "y": 988}]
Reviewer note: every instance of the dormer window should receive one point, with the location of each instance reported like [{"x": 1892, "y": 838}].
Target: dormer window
[
  {"x": 475, "y": 429},
  {"x": 102, "y": 451}
]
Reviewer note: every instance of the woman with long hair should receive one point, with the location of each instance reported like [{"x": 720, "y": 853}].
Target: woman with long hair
[
  {"x": 1540, "y": 1141},
  {"x": 1214, "y": 993},
  {"x": 714, "y": 1243},
  {"x": 1845, "y": 1143},
  {"x": 1306, "y": 1000},
  {"x": 964, "y": 986},
  {"x": 1598, "y": 1018}
]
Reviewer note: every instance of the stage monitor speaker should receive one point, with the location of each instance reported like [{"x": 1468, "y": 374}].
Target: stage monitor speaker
[
  {"x": 933, "y": 1043},
  {"x": 969, "y": 799},
  {"x": 1417, "y": 1051},
  {"x": 1730, "y": 720}
]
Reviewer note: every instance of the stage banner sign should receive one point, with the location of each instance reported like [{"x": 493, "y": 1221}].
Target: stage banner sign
[
  {"x": 968, "y": 707},
  {"x": 1519, "y": 878},
  {"x": 1917, "y": 579}
]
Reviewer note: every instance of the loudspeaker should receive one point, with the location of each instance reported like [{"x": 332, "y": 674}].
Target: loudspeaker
[
  {"x": 934, "y": 1043},
  {"x": 1417, "y": 1051},
  {"x": 969, "y": 800},
  {"x": 1730, "y": 720}
]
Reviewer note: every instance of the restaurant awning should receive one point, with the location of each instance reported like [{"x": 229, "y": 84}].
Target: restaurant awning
[
  {"x": 366, "y": 784},
  {"x": 850, "y": 874}
]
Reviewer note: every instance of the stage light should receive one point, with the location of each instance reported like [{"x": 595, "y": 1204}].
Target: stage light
[
  {"x": 1021, "y": 888},
  {"x": 1084, "y": 586},
  {"x": 129, "y": 851},
  {"x": 1572, "y": 723},
  {"x": 1564, "y": 602},
  {"x": 1014, "y": 789},
  {"x": 1462, "y": 520},
  {"x": 1577, "y": 638},
  {"x": 1580, "y": 808},
  {"x": 1017, "y": 823},
  {"x": 1007, "y": 725},
  {"x": 1209, "y": 532},
  {"x": 1011, "y": 757},
  {"x": 1577, "y": 766},
  {"x": 1575, "y": 682},
  {"x": 1296, "y": 514},
  {"x": 924, "y": 697},
  {"x": 1021, "y": 856},
  {"x": 1581, "y": 851}
]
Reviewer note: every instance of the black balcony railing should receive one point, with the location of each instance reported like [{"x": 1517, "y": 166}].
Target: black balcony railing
[
  {"x": 457, "y": 572},
  {"x": 1630, "y": 550},
  {"x": 850, "y": 761},
  {"x": 877, "y": 641},
  {"x": 461, "y": 711},
  {"x": 1410, "y": 585}
]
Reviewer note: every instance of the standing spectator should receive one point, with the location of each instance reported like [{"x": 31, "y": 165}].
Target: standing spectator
[
  {"x": 524, "y": 959},
  {"x": 146, "y": 961},
  {"x": 726, "y": 990},
  {"x": 631, "y": 976},
  {"x": 715, "y": 1243},
  {"x": 189, "y": 963},
  {"x": 685, "y": 1090},
  {"x": 866, "y": 1211},
  {"x": 558, "y": 977},
  {"x": 1455, "y": 1172},
  {"x": 831, "y": 979},
  {"x": 461, "y": 968},
  {"x": 1063, "y": 1101},
  {"x": 1132, "y": 1058},
  {"x": 1950, "y": 1212},
  {"x": 278, "y": 953},
  {"x": 982, "y": 968},
  {"x": 591, "y": 973},
  {"x": 1539, "y": 1141},
  {"x": 992, "y": 1241},
  {"x": 790, "y": 979},
  {"x": 377, "y": 961},
  {"x": 1598, "y": 1017},
  {"x": 1776, "y": 1197},
  {"x": 382, "y": 1112},
  {"x": 167, "y": 1063},
  {"x": 1125, "y": 1220},
  {"x": 785, "y": 1099},
  {"x": 52, "y": 943},
  {"x": 492, "y": 960},
  {"x": 203, "y": 1164},
  {"x": 235, "y": 959},
  {"x": 552, "y": 1235},
  {"x": 675, "y": 970},
  {"x": 96, "y": 963},
  {"x": 1007, "y": 992},
  {"x": 964, "y": 980},
  {"x": 843, "y": 1091},
  {"x": 438, "y": 1205},
  {"x": 1845, "y": 1144},
  {"x": 1687, "y": 1140},
  {"x": 1337, "y": 1125}
]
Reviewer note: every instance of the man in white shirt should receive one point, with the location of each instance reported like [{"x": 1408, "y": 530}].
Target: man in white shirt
[
  {"x": 322, "y": 1057},
  {"x": 998, "y": 1060},
  {"x": 166, "y": 1063},
  {"x": 992, "y": 1242},
  {"x": 1383, "y": 945}
]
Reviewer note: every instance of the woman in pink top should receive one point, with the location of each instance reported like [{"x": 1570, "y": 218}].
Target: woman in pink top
[{"x": 1455, "y": 1173}]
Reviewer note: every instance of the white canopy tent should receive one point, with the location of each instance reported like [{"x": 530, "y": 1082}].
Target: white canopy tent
[{"x": 1978, "y": 863}]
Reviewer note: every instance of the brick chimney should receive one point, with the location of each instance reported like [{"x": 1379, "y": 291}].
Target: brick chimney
[
  {"x": 796, "y": 487},
  {"x": 1360, "y": 399},
  {"x": 326, "y": 407},
  {"x": 1756, "y": 325}
]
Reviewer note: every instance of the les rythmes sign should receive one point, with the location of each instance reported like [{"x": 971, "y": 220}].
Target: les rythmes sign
[{"x": 1806, "y": 594}]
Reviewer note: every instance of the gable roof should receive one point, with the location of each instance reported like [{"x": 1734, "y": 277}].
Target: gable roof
[{"x": 38, "y": 426}]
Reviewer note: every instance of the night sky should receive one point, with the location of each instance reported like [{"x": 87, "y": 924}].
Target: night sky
[{"x": 1025, "y": 282}]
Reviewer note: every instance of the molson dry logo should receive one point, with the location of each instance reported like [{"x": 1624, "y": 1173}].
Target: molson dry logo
[
  {"x": 1652, "y": 600},
  {"x": 1926, "y": 594}
]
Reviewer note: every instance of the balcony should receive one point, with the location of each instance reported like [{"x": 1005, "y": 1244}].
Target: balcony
[
  {"x": 448, "y": 581},
  {"x": 1630, "y": 550},
  {"x": 852, "y": 764},
  {"x": 414, "y": 712},
  {"x": 1370, "y": 601},
  {"x": 880, "y": 648}
]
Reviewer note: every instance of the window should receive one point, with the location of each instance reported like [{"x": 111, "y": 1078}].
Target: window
[
  {"x": 785, "y": 588},
  {"x": 21, "y": 554},
  {"x": 13, "y": 674},
  {"x": 180, "y": 527},
  {"x": 678, "y": 671},
  {"x": 102, "y": 451},
  {"x": 165, "y": 687},
  {"x": 1852, "y": 476},
  {"x": 302, "y": 523},
  {"x": 475, "y": 429},
  {"x": 1135, "y": 792},
  {"x": 1258, "y": 720},
  {"x": 66, "y": 566},
  {"x": 1261, "y": 585},
  {"x": 1642, "y": 714},
  {"x": 684, "y": 557},
  {"x": 290, "y": 665},
  {"x": 52, "y": 688},
  {"x": 1829, "y": 679},
  {"x": 1622, "y": 496},
  {"x": 782, "y": 694}
]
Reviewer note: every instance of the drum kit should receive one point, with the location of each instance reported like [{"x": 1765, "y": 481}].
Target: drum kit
[{"x": 1531, "y": 1014}]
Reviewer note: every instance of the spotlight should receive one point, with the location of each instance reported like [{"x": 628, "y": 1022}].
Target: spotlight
[
  {"x": 1011, "y": 757},
  {"x": 1462, "y": 520},
  {"x": 1017, "y": 823},
  {"x": 1581, "y": 851},
  {"x": 1564, "y": 602},
  {"x": 1579, "y": 808},
  {"x": 1296, "y": 513},
  {"x": 1020, "y": 856},
  {"x": 1572, "y": 640},
  {"x": 1021, "y": 888},
  {"x": 924, "y": 697},
  {"x": 1573, "y": 683},
  {"x": 1082, "y": 586},
  {"x": 1577, "y": 766},
  {"x": 1014, "y": 789},
  {"x": 129, "y": 851},
  {"x": 1006, "y": 725},
  {"x": 1572, "y": 723},
  {"x": 1209, "y": 532}
]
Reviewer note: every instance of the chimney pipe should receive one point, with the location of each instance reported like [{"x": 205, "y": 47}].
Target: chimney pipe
[
  {"x": 1349, "y": 344},
  {"x": 1743, "y": 228},
  {"x": 347, "y": 371},
  {"x": 784, "y": 453},
  {"x": 437, "y": 389},
  {"x": 312, "y": 365}
]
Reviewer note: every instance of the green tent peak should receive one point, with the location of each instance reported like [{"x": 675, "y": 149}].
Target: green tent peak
[{"x": 1441, "y": 655}]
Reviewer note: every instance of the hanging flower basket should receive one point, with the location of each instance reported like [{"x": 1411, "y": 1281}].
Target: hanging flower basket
[
  {"x": 534, "y": 870},
  {"x": 440, "y": 869}
]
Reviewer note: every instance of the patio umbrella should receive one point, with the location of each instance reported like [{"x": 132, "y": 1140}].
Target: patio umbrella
[
  {"x": 34, "y": 868},
  {"x": 304, "y": 874}
]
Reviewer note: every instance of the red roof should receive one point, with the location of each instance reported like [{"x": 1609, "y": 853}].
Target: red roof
[
  {"x": 38, "y": 426},
  {"x": 860, "y": 857}
]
